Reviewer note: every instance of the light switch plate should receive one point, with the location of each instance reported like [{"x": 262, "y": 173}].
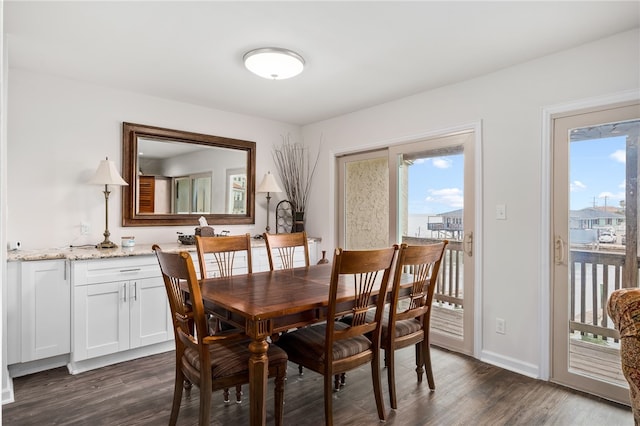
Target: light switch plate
[{"x": 501, "y": 211}]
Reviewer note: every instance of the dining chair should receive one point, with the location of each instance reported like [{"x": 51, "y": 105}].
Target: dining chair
[
  {"x": 285, "y": 246},
  {"x": 223, "y": 251},
  {"x": 211, "y": 362},
  {"x": 334, "y": 347},
  {"x": 407, "y": 320}
]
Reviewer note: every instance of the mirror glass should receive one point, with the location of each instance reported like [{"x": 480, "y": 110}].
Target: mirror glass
[{"x": 175, "y": 177}]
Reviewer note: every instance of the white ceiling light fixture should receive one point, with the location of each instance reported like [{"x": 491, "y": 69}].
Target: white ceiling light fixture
[{"x": 274, "y": 63}]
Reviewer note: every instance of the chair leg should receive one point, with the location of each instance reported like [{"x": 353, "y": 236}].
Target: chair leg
[
  {"x": 328, "y": 397},
  {"x": 177, "y": 396},
  {"x": 225, "y": 395},
  {"x": 391, "y": 377},
  {"x": 336, "y": 382},
  {"x": 205, "y": 400},
  {"x": 419, "y": 361},
  {"x": 279, "y": 382},
  {"x": 238, "y": 394},
  {"x": 300, "y": 370},
  {"x": 377, "y": 385},
  {"x": 426, "y": 355}
]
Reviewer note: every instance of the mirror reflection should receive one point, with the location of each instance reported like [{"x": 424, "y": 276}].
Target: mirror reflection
[
  {"x": 176, "y": 177},
  {"x": 179, "y": 178}
]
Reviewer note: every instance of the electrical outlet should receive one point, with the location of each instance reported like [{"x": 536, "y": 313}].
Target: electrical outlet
[
  {"x": 501, "y": 326},
  {"x": 85, "y": 228}
]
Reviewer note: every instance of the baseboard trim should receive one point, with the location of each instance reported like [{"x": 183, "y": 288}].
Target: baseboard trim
[
  {"x": 511, "y": 364},
  {"x": 76, "y": 367}
]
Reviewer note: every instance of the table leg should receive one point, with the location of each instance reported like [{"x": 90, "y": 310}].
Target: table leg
[{"x": 258, "y": 374}]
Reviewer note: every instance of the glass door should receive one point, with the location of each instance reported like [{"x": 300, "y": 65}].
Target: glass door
[
  {"x": 418, "y": 193},
  {"x": 433, "y": 201},
  {"x": 595, "y": 226}
]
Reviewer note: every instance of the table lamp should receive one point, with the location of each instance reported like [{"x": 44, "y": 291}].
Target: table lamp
[
  {"x": 268, "y": 185},
  {"x": 107, "y": 175}
]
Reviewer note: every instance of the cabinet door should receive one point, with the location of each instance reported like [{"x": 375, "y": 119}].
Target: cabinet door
[
  {"x": 149, "y": 312},
  {"x": 46, "y": 314},
  {"x": 101, "y": 321}
]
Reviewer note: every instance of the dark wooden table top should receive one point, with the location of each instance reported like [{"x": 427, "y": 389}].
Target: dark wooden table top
[{"x": 271, "y": 294}]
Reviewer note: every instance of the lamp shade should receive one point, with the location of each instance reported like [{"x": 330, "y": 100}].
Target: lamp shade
[
  {"x": 107, "y": 174},
  {"x": 274, "y": 63},
  {"x": 268, "y": 184}
]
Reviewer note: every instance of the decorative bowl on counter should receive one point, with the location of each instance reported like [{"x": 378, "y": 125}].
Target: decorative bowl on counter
[{"x": 187, "y": 239}]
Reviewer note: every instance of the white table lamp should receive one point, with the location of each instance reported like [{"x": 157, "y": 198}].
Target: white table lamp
[
  {"x": 268, "y": 185},
  {"x": 107, "y": 175}
]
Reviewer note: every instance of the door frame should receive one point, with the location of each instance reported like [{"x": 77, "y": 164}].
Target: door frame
[{"x": 545, "y": 292}]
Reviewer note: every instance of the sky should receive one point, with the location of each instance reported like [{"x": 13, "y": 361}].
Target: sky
[
  {"x": 597, "y": 176},
  {"x": 436, "y": 184},
  {"x": 597, "y": 172}
]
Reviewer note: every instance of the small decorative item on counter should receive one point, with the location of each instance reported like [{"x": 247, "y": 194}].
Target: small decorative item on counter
[
  {"x": 128, "y": 241},
  {"x": 324, "y": 258},
  {"x": 186, "y": 239},
  {"x": 205, "y": 231}
]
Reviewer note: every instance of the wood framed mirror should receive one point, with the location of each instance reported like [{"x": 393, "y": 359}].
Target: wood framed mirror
[{"x": 175, "y": 177}]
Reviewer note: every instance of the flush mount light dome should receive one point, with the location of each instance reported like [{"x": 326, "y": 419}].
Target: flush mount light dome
[{"x": 273, "y": 63}]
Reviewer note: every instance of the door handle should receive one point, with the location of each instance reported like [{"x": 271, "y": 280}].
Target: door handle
[
  {"x": 559, "y": 252},
  {"x": 467, "y": 244},
  {"x": 124, "y": 292}
]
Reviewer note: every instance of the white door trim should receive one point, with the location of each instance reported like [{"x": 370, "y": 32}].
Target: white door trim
[{"x": 544, "y": 292}]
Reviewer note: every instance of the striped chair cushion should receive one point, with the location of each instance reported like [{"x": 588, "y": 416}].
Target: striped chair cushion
[
  {"x": 231, "y": 358},
  {"x": 308, "y": 342},
  {"x": 403, "y": 328}
]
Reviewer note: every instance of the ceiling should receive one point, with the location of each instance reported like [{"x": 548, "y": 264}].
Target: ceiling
[{"x": 358, "y": 54}]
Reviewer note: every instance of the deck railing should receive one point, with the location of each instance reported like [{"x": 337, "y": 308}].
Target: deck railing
[
  {"x": 449, "y": 289},
  {"x": 594, "y": 275}
]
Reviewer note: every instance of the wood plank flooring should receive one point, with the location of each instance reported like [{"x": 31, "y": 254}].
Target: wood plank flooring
[{"x": 468, "y": 392}]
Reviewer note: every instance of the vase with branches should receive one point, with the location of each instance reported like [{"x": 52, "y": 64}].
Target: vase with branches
[{"x": 296, "y": 172}]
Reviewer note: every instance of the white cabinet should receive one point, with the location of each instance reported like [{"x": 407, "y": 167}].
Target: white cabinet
[
  {"x": 118, "y": 304},
  {"x": 39, "y": 316}
]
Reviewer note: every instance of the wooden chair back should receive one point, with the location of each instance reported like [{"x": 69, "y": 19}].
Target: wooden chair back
[
  {"x": 223, "y": 251},
  {"x": 285, "y": 246},
  {"x": 422, "y": 264},
  {"x": 364, "y": 271},
  {"x": 176, "y": 268}
]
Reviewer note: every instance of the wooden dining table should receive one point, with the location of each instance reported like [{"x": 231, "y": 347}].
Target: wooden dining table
[{"x": 267, "y": 303}]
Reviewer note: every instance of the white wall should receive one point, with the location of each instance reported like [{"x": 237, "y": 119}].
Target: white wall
[
  {"x": 509, "y": 103},
  {"x": 60, "y": 129}
]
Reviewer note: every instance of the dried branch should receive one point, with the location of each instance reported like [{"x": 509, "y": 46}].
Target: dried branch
[{"x": 292, "y": 162}]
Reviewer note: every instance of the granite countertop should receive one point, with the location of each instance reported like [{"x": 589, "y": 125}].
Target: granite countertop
[{"x": 87, "y": 253}]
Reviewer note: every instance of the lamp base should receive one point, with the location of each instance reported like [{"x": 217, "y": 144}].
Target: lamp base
[{"x": 106, "y": 244}]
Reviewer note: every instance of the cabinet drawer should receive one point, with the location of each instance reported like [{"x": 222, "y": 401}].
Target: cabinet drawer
[{"x": 86, "y": 272}]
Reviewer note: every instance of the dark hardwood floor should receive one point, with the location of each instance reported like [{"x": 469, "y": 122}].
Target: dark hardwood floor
[{"x": 468, "y": 392}]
